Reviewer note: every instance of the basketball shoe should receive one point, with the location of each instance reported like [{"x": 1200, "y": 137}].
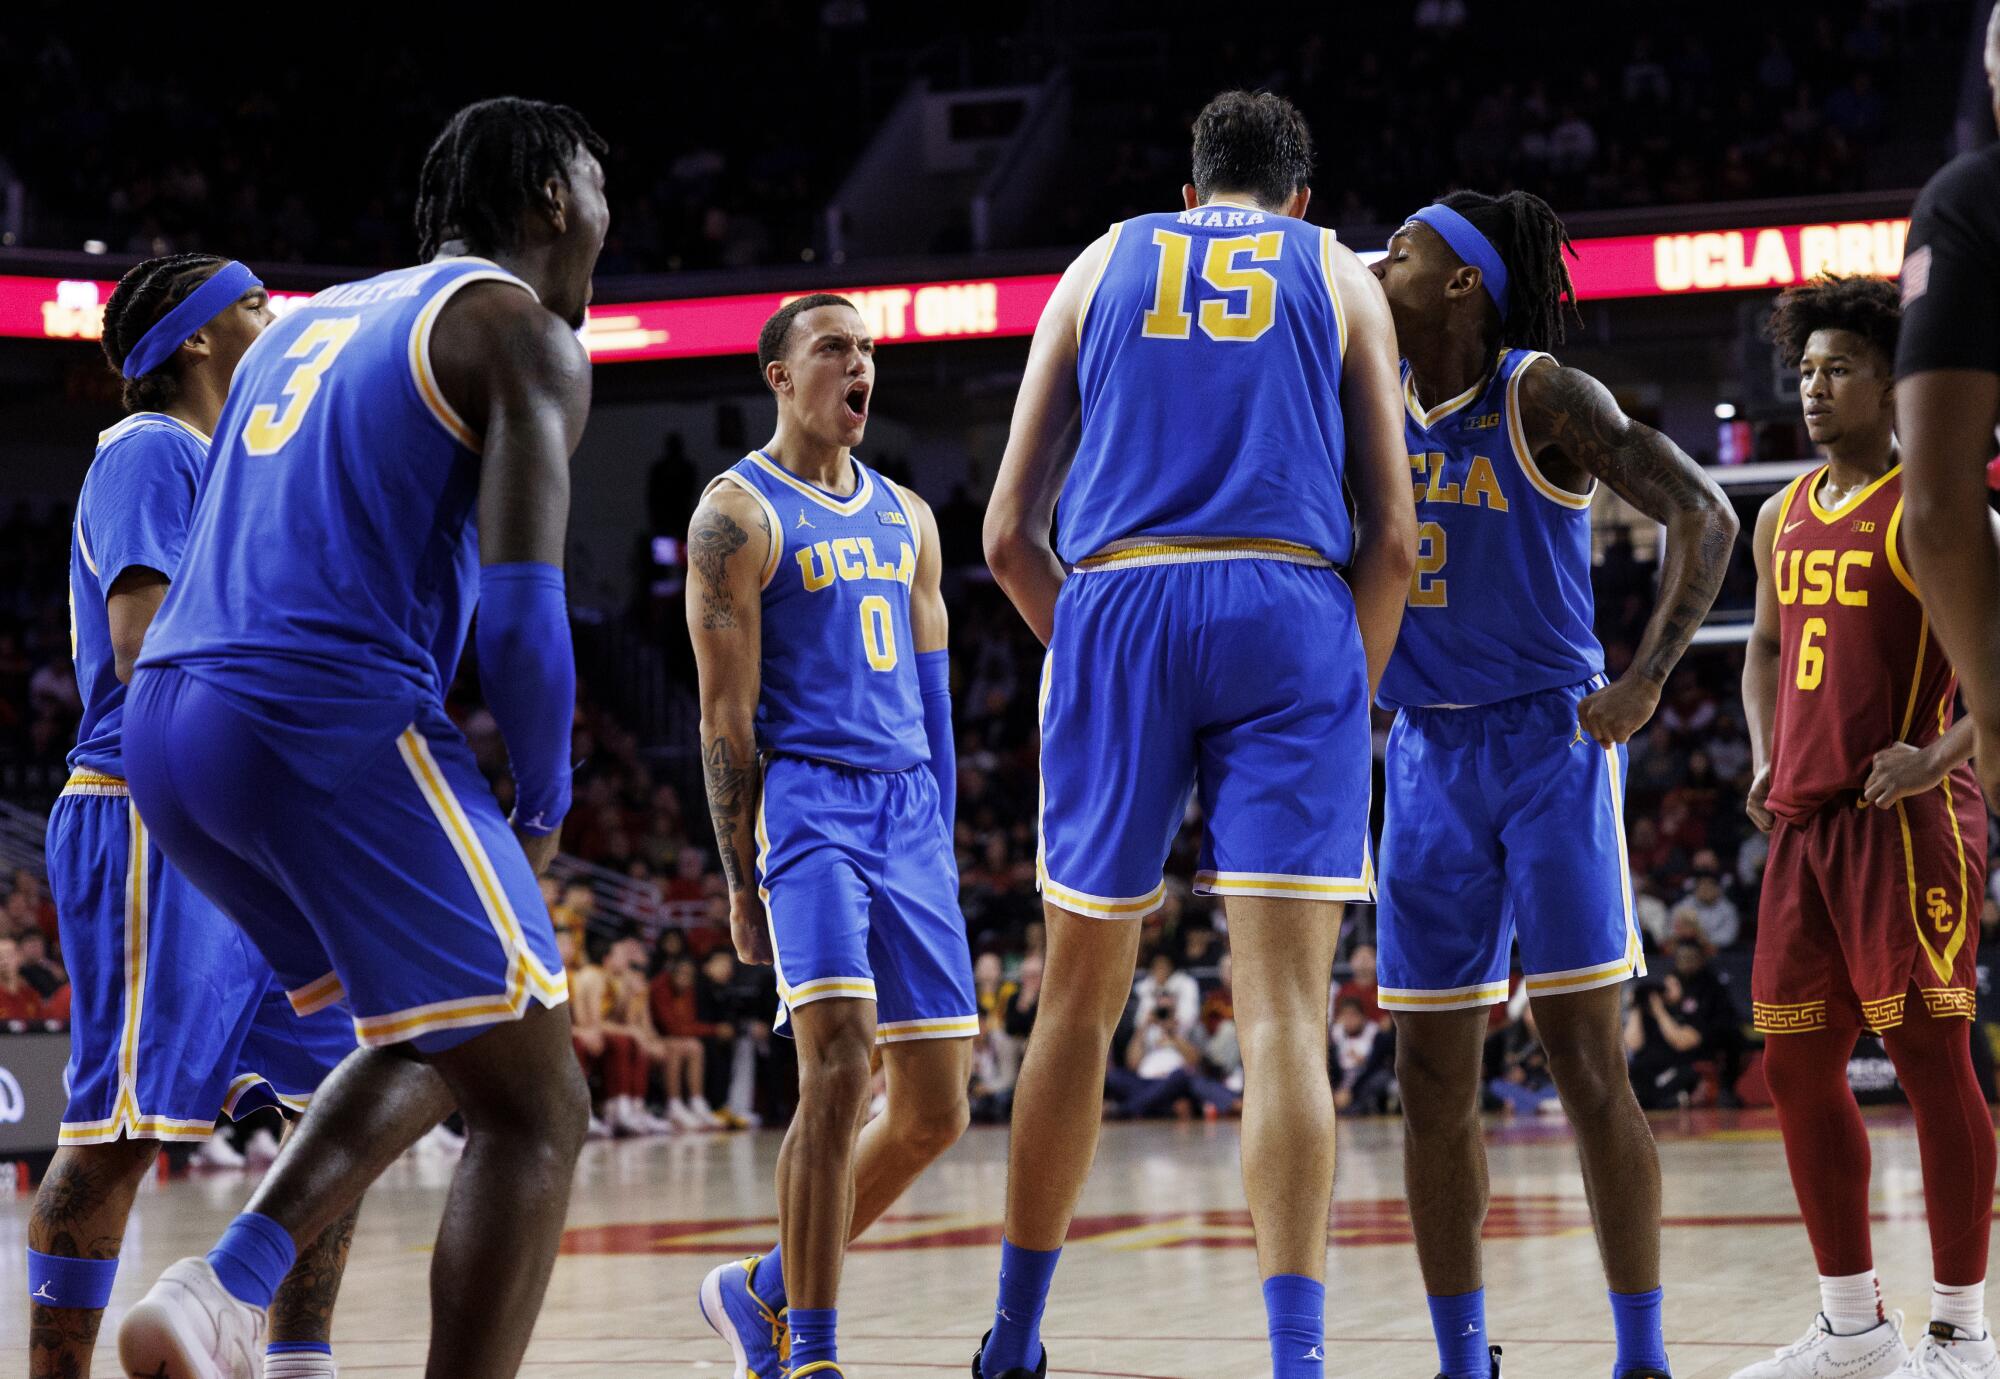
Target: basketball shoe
[
  {"x": 1951, "y": 1352},
  {"x": 1822, "y": 1354},
  {"x": 189, "y": 1327},
  {"x": 757, "y": 1336}
]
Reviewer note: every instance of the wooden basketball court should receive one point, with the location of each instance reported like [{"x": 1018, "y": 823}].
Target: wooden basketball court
[{"x": 1159, "y": 1280}]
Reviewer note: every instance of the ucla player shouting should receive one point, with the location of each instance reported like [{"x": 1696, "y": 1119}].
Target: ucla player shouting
[
  {"x": 817, "y": 614},
  {"x": 1505, "y": 769},
  {"x": 1235, "y": 374},
  {"x": 391, "y": 451}
]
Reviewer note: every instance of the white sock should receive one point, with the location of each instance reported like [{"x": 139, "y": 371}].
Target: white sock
[
  {"x": 300, "y": 1364},
  {"x": 1852, "y": 1302},
  {"x": 1963, "y": 1305}
]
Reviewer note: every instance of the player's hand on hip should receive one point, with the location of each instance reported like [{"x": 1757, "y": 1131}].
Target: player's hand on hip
[
  {"x": 1619, "y": 710},
  {"x": 1900, "y": 770},
  {"x": 749, "y": 929},
  {"x": 1760, "y": 790},
  {"x": 540, "y": 847}
]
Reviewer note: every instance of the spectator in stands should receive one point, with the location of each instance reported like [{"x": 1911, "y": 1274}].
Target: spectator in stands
[
  {"x": 1706, "y": 1005},
  {"x": 572, "y": 914},
  {"x": 1664, "y": 1047},
  {"x": 1655, "y": 920},
  {"x": 1163, "y": 1067},
  {"x": 1220, "y": 1048},
  {"x": 18, "y": 1000},
  {"x": 608, "y": 1052},
  {"x": 1201, "y": 954},
  {"x": 1707, "y": 913},
  {"x": 1360, "y": 984},
  {"x": 38, "y": 968},
  {"x": 1020, "y": 1008},
  {"x": 686, "y": 1039},
  {"x": 1363, "y": 1059},
  {"x": 1523, "y": 1084},
  {"x": 1163, "y": 983},
  {"x": 679, "y": 1061}
]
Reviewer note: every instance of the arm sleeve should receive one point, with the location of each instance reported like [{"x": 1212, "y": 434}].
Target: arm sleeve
[
  {"x": 527, "y": 672},
  {"x": 1951, "y": 271},
  {"x": 934, "y": 681},
  {"x": 138, "y": 503}
]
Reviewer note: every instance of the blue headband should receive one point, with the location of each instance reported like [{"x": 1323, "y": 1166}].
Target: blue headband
[
  {"x": 1475, "y": 249},
  {"x": 202, "y": 305}
]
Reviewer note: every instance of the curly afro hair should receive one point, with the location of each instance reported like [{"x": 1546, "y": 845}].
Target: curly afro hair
[{"x": 1870, "y": 307}]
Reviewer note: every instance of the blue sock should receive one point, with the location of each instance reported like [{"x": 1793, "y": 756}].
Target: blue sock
[
  {"x": 70, "y": 1283},
  {"x": 1459, "y": 1323},
  {"x": 298, "y": 1348},
  {"x": 1016, "y": 1342},
  {"x": 1295, "y": 1308},
  {"x": 252, "y": 1258},
  {"x": 767, "y": 1280},
  {"x": 812, "y": 1334},
  {"x": 1637, "y": 1319}
]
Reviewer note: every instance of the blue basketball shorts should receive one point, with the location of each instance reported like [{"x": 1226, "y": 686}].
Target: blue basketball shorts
[
  {"x": 400, "y": 890},
  {"x": 1503, "y": 823},
  {"x": 858, "y": 876},
  {"x": 175, "y": 1019},
  {"x": 1176, "y": 668}
]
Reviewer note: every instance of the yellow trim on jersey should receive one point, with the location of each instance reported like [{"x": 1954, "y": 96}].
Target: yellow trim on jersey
[
  {"x": 1454, "y": 998},
  {"x": 1941, "y": 963},
  {"x": 1785, "y": 507},
  {"x": 138, "y": 916},
  {"x": 1041, "y": 775},
  {"x": 113, "y": 432},
  {"x": 83, "y": 782},
  {"x": 846, "y": 507},
  {"x": 1584, "y": 978},
  {"x": 1438, "y": 413},
  {"x": 1896, "y": 565},
  {"x": 1518, "y": 435},
  {"x": 906, "y": 500},
  {"x": 1917, "y": 675},
  {"x": 83, "y": 546},
  {"x": 1187, "y": 550},
  {"x": 822, "y": 988},
  {"x": 420, "y": 352},
  {"x": 1280, "y": 886},
  {"x": 1851, "y": 501},
  {"x": 317, "y": 995},
  {"x": 1101, "y": 907},
  {"x": 770, "y": 515},
  {"x": 1635, "y": 949},
  {"x": 1090, "y": 292},
  {"x": 945, "y": 1027},
  {"x": 1326, "y": 242}
]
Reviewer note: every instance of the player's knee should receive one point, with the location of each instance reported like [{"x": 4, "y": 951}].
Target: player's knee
[
  {"x": 833, "y": 1074},
  {"x": 1591, "y": 1076},
  {"x": 1438, "y": 1090},
  {"x": 935, "y": 1126}
]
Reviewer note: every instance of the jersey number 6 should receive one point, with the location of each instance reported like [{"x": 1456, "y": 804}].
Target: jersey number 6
[
  {"x": 266, "y": 432},
  {"x": 1170, "y": 318}
]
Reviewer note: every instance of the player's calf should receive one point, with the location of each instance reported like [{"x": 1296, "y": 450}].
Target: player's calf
[{"x": 75, "y": 1229}]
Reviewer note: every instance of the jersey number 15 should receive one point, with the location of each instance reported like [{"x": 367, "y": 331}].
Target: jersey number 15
[{"x": 1221, "y": 269}]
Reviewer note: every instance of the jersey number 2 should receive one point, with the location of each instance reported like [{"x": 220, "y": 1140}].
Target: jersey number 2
[
  {"x": 267, "y": 431},
  {"x": 1170, "y": 318}
]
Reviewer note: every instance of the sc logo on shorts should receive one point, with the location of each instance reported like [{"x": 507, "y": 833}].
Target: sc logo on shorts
[{"x": 13, "y": 1105}]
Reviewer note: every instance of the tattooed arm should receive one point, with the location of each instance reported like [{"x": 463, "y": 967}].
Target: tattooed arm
[
  {"x": 729, "y": 543},
  {"x": 1576, "y": 429}
]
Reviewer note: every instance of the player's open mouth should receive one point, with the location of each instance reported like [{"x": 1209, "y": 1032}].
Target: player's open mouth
[{"x": 856, "y": 403}]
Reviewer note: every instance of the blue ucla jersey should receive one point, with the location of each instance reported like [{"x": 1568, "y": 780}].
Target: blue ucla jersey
[
  {"x": 1500, "y": 605},
  {"x": 1208, "y": 359},
  {"x": 332, "y": 566},
  {"x": 133, "y": 514},
  {"x": 840, "y": 668}
]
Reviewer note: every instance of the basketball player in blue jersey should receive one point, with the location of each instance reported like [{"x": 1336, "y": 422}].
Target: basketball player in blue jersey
[
  {"x": 1505, "y": 769},
  {"x": 1235, "y": 372},
  {"x": 391, "y": 451},
  {"x": 817, "y": 614},
  {"x": 176, "y": 1018}
]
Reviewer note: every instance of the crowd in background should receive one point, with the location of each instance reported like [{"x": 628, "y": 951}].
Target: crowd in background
[{"x": 109, "y": 145}]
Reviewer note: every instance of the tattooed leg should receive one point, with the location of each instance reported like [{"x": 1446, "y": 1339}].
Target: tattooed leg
[
  {"x": 303, "y": 1307},
  {"x": 80, "y": 1213}
]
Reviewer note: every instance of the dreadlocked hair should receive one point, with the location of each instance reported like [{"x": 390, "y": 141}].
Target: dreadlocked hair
[
  {"x": 489, "y": 165},
  {"x": 145, "y": 294},
  {"x": 1532, "y": 241},
  {"x": 1870, "y": 307}
]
